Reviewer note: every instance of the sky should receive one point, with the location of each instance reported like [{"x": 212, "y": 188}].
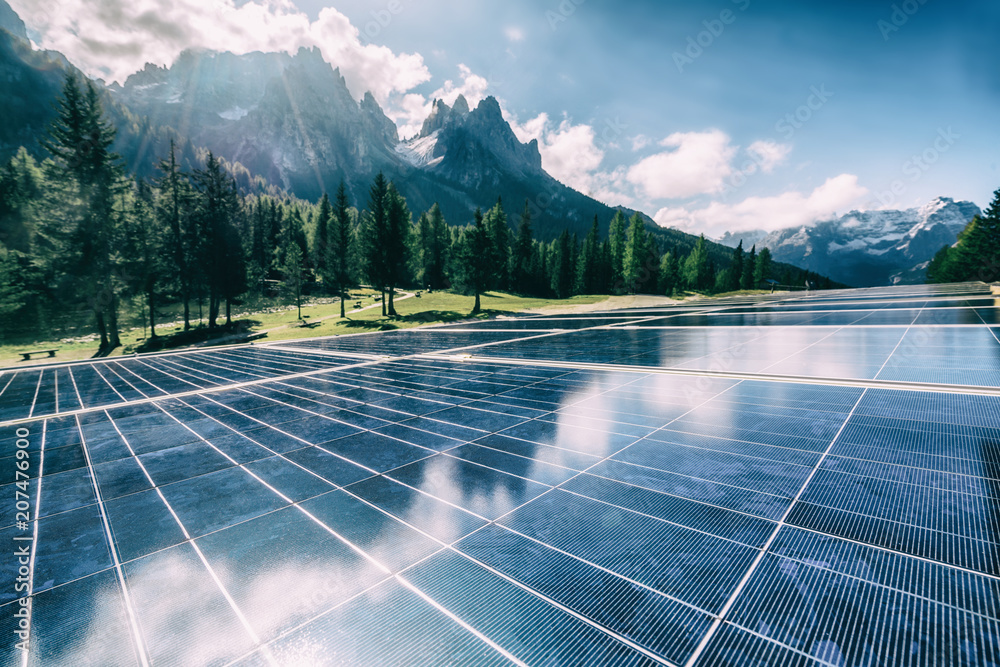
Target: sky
[{"x": 728, "y": 115}]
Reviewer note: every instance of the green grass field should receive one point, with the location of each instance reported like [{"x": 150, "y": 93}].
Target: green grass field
[{"x": 282, "y": 323}]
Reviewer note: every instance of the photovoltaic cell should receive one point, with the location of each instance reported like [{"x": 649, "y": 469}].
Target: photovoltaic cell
[{"x": 511, "y": 497}]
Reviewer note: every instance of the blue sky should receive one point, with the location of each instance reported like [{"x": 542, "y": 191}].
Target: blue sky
[{"x": 711, "y": 116}]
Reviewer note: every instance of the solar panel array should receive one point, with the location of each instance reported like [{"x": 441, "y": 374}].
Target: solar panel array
[{"x": 792, "y": 479}]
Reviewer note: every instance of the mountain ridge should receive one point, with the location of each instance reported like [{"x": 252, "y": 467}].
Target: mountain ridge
[{"x": 868, "y": 248}]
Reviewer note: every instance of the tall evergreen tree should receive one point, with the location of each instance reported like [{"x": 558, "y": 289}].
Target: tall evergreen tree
[
  {"x": 524, "y": 261},
  {"x": 144, "y": 242},
  {"x": 762, "y": 271},
  {"x": 339, "y": 249},
  {"x": 477, "y": 243},
  {"x": 79, "y": 140},
  {"x": 434, "y": 242},
  {"x": 562, "y": 268},
  {"x": 669, "y": 273},
  {"x": 588, "y": 272},
  {"x": 634, "y": 271},
  {"x": 496, "y": 222},
  {"x": 174, "y": 200},
  {"x": 617, "y": 241},
  {"x": 321, "y": 239},
  {"x": 375, "y": 236},
  {"x": 749, "y": 270},
  {"x": 292, "y": 268},
  {"x": 221, "y": 255},
  {"x": 698, "y": 270},
  {"x": 397, "y": 244},
  {"x": 735, "y": 273}
]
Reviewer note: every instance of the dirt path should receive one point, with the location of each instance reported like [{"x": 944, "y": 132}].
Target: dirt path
[
  {"x": 611, "y": 303},
  {"x": 400, "y": 296}
]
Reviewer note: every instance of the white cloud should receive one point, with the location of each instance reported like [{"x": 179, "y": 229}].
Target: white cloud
[
  {"x": 514, "y": 34},
  {"x": 789, "y": 209},
  {"x": 571, "y": 153},
  {"x": 113, "y": 38},
  {"x": 768, "y": 154},
  {"x": 639, "y": 142},
  {"x": 699, "y": 164}
]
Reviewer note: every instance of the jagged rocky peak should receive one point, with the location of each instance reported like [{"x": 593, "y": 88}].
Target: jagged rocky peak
[
  {"x": 461, "y": 107},
  {"x": 380, "y": 122},
  {"x": 442, "y": 115},
  {"x": 149, "y": 75},
  {"x": 440, "y": 111},
  {"x": 11, "y": 22}
]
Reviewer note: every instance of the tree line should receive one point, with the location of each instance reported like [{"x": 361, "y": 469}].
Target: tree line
[
  {"x": 78, "y": 231},
  {"x": 976, "y": 254}
]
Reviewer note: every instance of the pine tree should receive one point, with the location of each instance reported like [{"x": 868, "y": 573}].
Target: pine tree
[
  {"x": 749, "y": 270},
  {"x": 434, "y": 241},
  {"x": 616, "y": 243},
  {"x": 698, "y": 272},
  {"x": 669, "y": 273},
  {"x": 762, "y": 272},
  {"x": 397, "y": 243},
  {"x": 588, "y": 273},
  {"x": 292, "y": 268},
  {"x": 221, "y": 249},
  {"x": 79, "y": 140},
  {"x": 524, "y": 256},
  {"x": 339, "y": 246},
  {"x": 496, "y": 222},
  {"x": 562, "y": 268},
  {"x": 735, "y": 273},
  {"x": 321, "y": 239},
  {"x": 173, "y": 212},
  {"x": 475, "y": 245},
  {"x": 144, "y": 241},
  {"x": 634, "y": 272},
  {"x": 375, "y": 237}
]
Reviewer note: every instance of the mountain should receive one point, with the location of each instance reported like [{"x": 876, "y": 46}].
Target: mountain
[
  {"x": 11, "y": 22},
  {"x": 868, "y": 248},
  {"x": 292, "y": 120}
]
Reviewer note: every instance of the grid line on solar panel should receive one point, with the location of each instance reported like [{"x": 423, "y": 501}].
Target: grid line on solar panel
[
  {"x": 137, "y": 638},
  {"x": 404, "y": 383},
  {"x": 737, "y": 592},
  {"x": 734, "y": 646},
  {"x": 500, "y": 605},
  {"x": 873, "y": 621},
  {"x": 408, "y": 342},
  {"x": 192, "y": 388},
  {"x": 113, "y": 382},
  {"x": 204, "y": 560}
]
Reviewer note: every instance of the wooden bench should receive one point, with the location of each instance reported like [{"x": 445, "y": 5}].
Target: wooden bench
[
  {"x": 308, "y": 325},
  {"x": 255, "y": 336},
  {"x": 27, "y": 355}
]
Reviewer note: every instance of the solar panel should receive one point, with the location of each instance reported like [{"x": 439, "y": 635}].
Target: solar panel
[{"x": 783, "y": 480}]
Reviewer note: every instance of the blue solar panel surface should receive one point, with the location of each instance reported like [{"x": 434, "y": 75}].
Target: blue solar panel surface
[{"x": 791, "y": 479}]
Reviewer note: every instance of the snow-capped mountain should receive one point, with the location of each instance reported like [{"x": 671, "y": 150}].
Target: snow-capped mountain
[{"x": 868, "y": 248}]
